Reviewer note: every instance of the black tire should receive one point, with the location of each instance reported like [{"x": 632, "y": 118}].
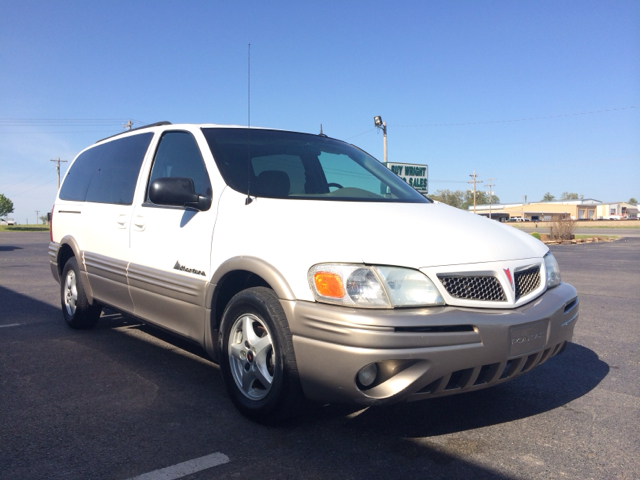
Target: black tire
[
  {"x": 257, "y": 359},
  {"x": 77, "y": 311}
]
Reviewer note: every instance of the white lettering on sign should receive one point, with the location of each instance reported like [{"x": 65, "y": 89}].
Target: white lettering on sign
[{"x": 415, "y": 175}]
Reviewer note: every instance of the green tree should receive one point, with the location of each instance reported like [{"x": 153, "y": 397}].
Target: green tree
[
  {"x": 6, "y": 205},
  {"x": 482, "y": 198},
  {"x": 453, "y": 198},
  {"x": 570, "y": 196},
  {"x": 633, "y": 201},
  {"x": 43, "y": 219},
  {"x": 548, "y": 197}
]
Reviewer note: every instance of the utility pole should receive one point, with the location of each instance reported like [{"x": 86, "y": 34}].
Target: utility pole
[
  {"x": 37, "y": 213},
  {"x": 128, "y": 125},
  {"x": 58, "y": 161},
  {"x": 489, "y": 184},
  {"x": 474, "y": 181}
]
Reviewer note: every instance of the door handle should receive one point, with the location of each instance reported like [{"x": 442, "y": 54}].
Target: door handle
[
  {"x": 139, "y": 222},
  {"x": 122, "y": 220}
]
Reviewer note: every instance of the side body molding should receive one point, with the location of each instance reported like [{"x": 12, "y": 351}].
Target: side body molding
[{"x": 253, "y": 265}]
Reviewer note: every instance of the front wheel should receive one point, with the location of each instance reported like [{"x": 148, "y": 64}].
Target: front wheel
[
  {"x": 256, "y": 356},
  {"x": 76, "y": 309}
]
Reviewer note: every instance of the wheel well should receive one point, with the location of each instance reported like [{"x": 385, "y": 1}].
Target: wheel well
[
  {"x": 64, "y": 254},
  {"x": 232, "y": 283}
]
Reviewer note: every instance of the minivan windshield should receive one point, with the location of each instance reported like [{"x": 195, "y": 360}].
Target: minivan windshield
[{"x": 277, "y": 164}]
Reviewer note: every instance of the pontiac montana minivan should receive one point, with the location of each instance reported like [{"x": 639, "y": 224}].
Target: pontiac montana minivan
[{"x": 303, "y": 266}]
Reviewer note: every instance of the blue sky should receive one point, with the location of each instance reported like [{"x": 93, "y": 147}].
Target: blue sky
[{"x": 502, "y": 87}]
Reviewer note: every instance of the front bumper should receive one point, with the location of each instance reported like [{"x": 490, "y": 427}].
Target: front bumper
[{"x": 424, "y": 352}]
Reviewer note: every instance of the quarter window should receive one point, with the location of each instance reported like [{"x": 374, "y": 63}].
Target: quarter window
[{"x": 107, "y": 173}]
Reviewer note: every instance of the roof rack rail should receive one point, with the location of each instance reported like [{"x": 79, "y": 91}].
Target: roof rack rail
[{"x": 157, "y": 124}]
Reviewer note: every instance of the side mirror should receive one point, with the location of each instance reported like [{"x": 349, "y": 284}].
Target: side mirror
[{"x": 177, "y": 192}]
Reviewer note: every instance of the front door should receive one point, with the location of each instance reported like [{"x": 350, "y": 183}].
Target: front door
[{"x": 171, "y": 246}]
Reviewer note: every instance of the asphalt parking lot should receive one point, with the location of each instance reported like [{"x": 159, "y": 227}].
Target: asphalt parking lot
[{"x": 124, "y": 399}]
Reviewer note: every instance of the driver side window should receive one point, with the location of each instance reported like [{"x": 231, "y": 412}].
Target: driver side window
[{"x": 178, "y": 155}]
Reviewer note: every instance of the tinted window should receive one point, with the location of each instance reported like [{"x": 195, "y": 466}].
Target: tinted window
[
  {"x": 107, "y": 173},
  {"x": 178, "y": 155},
  {"x": 77, "y": 181},
  {"x": 279, "y": 164}
]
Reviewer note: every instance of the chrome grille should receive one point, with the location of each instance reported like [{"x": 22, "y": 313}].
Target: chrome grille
[
  {"x": 473, "y": 287},
  {"x": 527, "y": 281}
]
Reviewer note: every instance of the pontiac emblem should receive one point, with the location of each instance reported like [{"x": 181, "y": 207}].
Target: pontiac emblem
[{"x": 508, "y": 274}]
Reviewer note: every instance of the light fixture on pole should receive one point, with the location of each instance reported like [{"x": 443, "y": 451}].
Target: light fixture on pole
[{"x": 377, "y": 120}]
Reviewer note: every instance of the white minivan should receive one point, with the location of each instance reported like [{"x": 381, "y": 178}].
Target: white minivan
[{"x": 303, "y": 266}]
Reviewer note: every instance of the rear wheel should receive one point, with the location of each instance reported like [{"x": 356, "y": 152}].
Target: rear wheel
[
  {"x": 77, "y": 311},
  {"x": 257, "y": 359}
]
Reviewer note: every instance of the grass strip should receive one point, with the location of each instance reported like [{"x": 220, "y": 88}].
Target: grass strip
[{"x": 24, "y": 228}]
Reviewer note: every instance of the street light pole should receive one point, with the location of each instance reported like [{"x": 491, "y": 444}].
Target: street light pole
[{"x": 377, "y": 120}]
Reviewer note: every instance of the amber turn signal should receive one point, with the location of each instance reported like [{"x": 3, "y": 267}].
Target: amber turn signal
[{"x": 328, "y": 284}]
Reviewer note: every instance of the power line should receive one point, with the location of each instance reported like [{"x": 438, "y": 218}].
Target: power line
[
  {"x": 59, "y": 121},
  {"x": 446, "y": 181},
  {"x": 41, "y": 185},
  {"x": 349, "y": 138},
  {"x": 39, "y": 169},
  {"x": 56, "y": 131},
  {"x": 66, "y": 122}
]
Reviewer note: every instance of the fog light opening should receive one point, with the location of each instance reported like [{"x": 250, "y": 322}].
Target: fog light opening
[{"x": 367, "y": 375}]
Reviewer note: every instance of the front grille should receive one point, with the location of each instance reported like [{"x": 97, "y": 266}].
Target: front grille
[
  {"x": 473, "y": 287},
  {"x": 527, "y": 281}
]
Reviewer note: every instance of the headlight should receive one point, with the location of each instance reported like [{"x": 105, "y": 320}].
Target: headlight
[
  {"x": 372, "y": 287},
  {"x": 553, "y": 270}
]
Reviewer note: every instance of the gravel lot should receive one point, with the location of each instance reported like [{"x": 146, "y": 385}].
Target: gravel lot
[{"x": 125, "y": 399}]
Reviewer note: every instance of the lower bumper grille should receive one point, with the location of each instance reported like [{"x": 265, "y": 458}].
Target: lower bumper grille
[{"x": 485, "y": 375}]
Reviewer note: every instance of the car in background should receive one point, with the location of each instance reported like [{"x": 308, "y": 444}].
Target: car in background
[{"x": 7, "y": 221}]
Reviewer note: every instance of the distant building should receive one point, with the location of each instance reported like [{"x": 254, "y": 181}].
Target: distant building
[{"x": 585, "y": 209}]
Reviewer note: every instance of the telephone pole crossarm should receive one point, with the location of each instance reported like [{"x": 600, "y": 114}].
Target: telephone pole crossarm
[
  {"x": 58, "y": 162},
  {"x": 474, "y": 181}
]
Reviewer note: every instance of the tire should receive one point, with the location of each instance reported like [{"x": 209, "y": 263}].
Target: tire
[
  {"x": 257, "y": 359},
  {"x": 77, "y": 311}
]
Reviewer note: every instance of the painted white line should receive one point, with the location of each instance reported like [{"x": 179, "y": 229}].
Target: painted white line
[
  {"x": 10, "y": 325},
  {"x": 185, "y": 468}
]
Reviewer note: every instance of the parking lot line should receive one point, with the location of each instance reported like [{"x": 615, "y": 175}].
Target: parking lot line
[
  {"x": 10, "y": 325},
  {"x": 185, "y": 468}
]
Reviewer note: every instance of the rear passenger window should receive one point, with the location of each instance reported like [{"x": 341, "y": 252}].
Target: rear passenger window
[
  {"x": 107, "y": 173},
  {"x": 178, "y": 155}
]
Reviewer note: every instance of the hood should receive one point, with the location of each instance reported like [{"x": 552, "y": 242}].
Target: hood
[{"x": 414, "y": 235}]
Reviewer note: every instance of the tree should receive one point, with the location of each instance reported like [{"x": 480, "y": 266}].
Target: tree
[
  {"x": 449, "y": 197},
  {"x": 548, "y": 197},
  {"x": 6, "y": 205},
  {"x": 44, "y": 219},
  {"x": 482, "y": 198},
  {"x": 570, "y": 196},
  {"x": 633, "y": 201}
]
